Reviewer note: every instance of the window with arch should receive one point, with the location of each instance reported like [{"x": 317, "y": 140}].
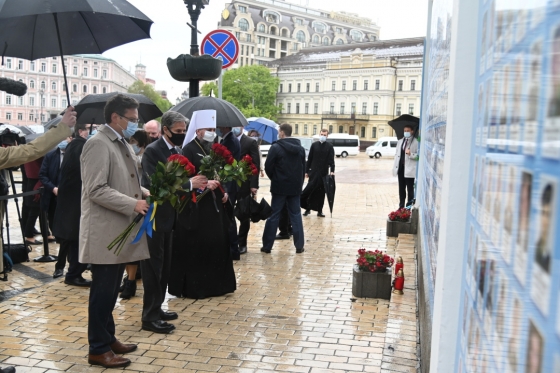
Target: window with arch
[
  {"x": 53, "y": 86},
  {"x": 316, "y": 39},
  {"x": 340, "y": 129},
  {"x": 243, "y": 24},
  {"x": 271, "y": 16},
  {"x": 363, "y": 132},
  {"x": 104, "y": 90},
  {"x": 326, "y": 41},
  {"x": 94, "y": 89},
  {"x": 305, "y": 129},
  {"x": 43, "y": 84},
  {"x": 261, "y": 28},
  {"x": 84, "y": 89},
  {"x": 273, "y": 31},
  {"x": 339, "y": 42},
  {"x": 320, "y": 27},
  {"x": 285, "y": 33},
  {"x": 300, "y": 36},
  {"x": 356, "y": 35},
  {"x": 31, "y": 84}
]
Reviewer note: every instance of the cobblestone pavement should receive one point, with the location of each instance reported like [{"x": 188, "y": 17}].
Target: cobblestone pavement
[{"x": 291, "y": 312}]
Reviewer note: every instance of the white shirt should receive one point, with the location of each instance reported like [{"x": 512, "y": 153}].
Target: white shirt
[
  {"x": 116, "y": 133},
  {"x": 169, "y": 145}
]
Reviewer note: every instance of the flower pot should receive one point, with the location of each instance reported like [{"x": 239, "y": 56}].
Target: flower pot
[
  {"x": 371, "y": 284},
  {"x": 394, "y": 228}
]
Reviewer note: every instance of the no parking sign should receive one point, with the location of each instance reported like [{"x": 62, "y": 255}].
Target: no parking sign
[{"x": 221, "y": 43}]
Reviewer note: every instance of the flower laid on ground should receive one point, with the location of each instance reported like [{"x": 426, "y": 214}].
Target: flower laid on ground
[
  {"x": 400, "y": 215},
  {"x": 373, "y": 261},
  {"x": 168, "y": 179}
]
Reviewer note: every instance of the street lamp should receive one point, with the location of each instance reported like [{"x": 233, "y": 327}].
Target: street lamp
[{"x": 195, "y": 7}]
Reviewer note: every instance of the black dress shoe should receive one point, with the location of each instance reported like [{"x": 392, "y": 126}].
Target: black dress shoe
[
  {"x": 299, "y": 251},
  {"x": 8, "y": 370},
  {"x": 263, "y": 250},
  {"x": 168, "y": 316},
  {"x": 243, "y": 250},
  {"x": 58, "y": 273},
  {"x": 307, "y": 212},
  {"x": 36, "y": 232},
  {"x": 282, "y": 236},
  {"x": 78, "y": 281},
  {"x": 36, "y": 242},
  {"x": 158, "y": 326},
  {"x": 320, "y": 214}
]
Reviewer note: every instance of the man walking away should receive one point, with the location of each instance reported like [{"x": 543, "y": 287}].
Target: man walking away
[
  {"x": 320, "y": 159},
  {"x": 285, "y": 167},
  {"x": 406, "y": 160}
]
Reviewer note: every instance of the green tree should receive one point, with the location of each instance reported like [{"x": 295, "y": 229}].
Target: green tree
[
  {"x": 149, "y": 91},
  {"x": 251, "y": 88}
]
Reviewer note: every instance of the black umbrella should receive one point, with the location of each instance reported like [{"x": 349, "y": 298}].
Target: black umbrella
[
  {"x": 405, "y": 119},
  {"x": 227, "y": 115},
  {"x": 90, "y": 109},
  {"x": 51, "y": 123},
  {"x": 330, "y": 189},
  {"x": 33, "y": 29},
  {"x": 30, "y": 135}
]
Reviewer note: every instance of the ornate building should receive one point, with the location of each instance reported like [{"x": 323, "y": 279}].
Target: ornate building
[
  {"x": 46, "y": 95},
  {"x": 272, "y": 29},
  {"x": 352, "y": 88}
]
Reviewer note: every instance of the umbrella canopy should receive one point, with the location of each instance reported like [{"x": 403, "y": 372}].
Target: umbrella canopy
[
  {"x": 51, "y": 123},
  {"x": 330, "y": 190},
  {"x": 405, "y": 119},
  {"x": 30, "y": 135},
  {"x": 227, "y": 115},
  {"x": 91, "y": 108},
  {"x": 249, "y": 208},
  {"x": 32, "y": 29},
  {"x": 267, "y": 128}
]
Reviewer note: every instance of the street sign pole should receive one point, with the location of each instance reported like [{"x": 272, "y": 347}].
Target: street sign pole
[{"x": 220, "y": 81}]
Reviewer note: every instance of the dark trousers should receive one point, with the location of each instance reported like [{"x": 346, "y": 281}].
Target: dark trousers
[
  {"x": 243, "y": 232},
  {"x": 284, "y": 224},
  {"x": 294, "y": 212},
  {"x": 63, "y": 254},
  {"x": 233, "y": 240},
  {"x": 51, "y": 211},
  {"x": 155, "y": 274},
  {"x": 72, "y": 249},
  {"x": 102, "y": 299},
  {"x": 406, "y": 186}
]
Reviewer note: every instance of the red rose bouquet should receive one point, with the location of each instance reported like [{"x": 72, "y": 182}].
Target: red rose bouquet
[
  {"x": 373, "y": 261},
  {"x": 165, "y": 182},
  {"x": 400, "y": 215}
]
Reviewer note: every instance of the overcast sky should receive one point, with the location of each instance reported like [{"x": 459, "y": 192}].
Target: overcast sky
[{"x": 171, "y": 35}]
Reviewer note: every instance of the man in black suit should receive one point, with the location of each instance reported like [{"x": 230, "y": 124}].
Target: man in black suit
[
  {"x": 155, "y": 271},
  {"x": 232, "y": 143},
  {"x": 248, "y": 147},
  {"x": 66, "y": 221}
]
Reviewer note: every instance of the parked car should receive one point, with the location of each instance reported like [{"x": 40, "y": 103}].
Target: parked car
[
  {"x": 385, "y": 147},
  {"x": 344, "y": 144}
]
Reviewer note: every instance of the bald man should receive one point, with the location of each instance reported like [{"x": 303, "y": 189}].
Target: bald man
[{"x": 154, "y": 129}]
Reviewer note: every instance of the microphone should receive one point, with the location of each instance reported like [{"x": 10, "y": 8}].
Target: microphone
[{"x": 13, "y": 87}]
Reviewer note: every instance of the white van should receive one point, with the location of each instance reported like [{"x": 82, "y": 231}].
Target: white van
[
  {"x": 344, "y": 144},
  {"x": 385, "y": 147}
]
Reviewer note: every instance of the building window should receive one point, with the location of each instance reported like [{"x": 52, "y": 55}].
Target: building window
[
  {"x": 296, "y": 128},
  {"x": 54, "y": 68},
  {"x": 342, "y": 105},
  {"x": 300, "y": 36},
  {"x": 20, "y": 101},
  {"x": 31, "y": 100},
  {"x": 344, "y": 85},
  {"x": 377, "y": 85},
  {"x": 281, "y": 87},
  {"x": 248, "y": 38},
  {"x": 314, "y": 130},
  {"x": 365, "y": 85},
  {"x": 242, "y": 9},
  {"x": 75, "y": 88},
  {"x": 64, "y": 103},
  {"x": 271, "y": 17},
  {"x": 319, "y": 27},
  {"x": 374, "y": 132},
  {"x": 31, "y": 84},
  {"x": 332, "y": 108},
  {"x": 411, "y": 109},
  {"x": 75, "y": 70},
  {"x": 261, "y": 28},
  {"x": 104, "y": 74},
  {"x": 53, "y": 102},
  {"x": 354, "y": 85},
  {"x": 85, "y": 71},
  {"x": 316, "y": 39},
  {"x": 340, "y": 129},
  {"x": 84, "y": 89},
  {"x": 43, "y": 85},
  {"x": 53, "y": 86},
  {"x": 363, "y": 132},
  {"x": 326, "y": 41},
  {"x": 305, "y": 129},
  {"x": 42, "y": 117},
  {"x": 20, "y": 65},
  {"x": 357, "y": 36},
  {"x": 289, "y": 108},
  {"x": 375, "y": 108},
  {"x": 307, "y": 87},
  {"x": 238, "y": 35},
  {"x": 400, "y": 85},
  {"x": 339, "y": 42},
  {"x": 31, "y": 117},
  {"x": 8, "y": 116},
  {"x": 43, "y": 67},
  {"x": 316, "y": 87},
  {"x": 32, "y": 66},
  {"x": 290, "y": 87},
  {"x": 94, "y": 89},
  {"x": 413, "y": 85},
  {"x": 338, "y": 30},
  {"x": 243, "y": 24},
  {"x": 297, "y": 108},
  {"x": 330, "y": 129},
  {"x": 104, "y": 90},
  {"x": 8, "y": 99},
  {"x": 306, "y": 108},
  {"x": 315, "y": 108},
  {"x": 8, "y": 64},
  {"x": 334, "y": 85},
  {"x": 353, "y": 108},
  {"x": 95, "y": 73},
  {"x": 399, "y": 109},
  {"x": 299, "y": 87},
  {"x": 364, "y": 108},
  {"x": 43, "y": 101}
]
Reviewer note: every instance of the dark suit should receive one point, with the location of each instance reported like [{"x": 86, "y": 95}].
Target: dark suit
[
  {"x": 66, "y": 224},
  {"x": 251, "y": 148},
  {"x": 155, "y": 270},
  {"x": 232, "y": 143}
]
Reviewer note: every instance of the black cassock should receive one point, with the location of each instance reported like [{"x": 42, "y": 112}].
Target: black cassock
[
  {"x": 320, "y": 159},
  {"x": 202, "y": 266}
]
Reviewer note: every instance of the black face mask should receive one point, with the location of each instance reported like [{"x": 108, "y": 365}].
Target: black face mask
[{"x": 178, "y": 138}]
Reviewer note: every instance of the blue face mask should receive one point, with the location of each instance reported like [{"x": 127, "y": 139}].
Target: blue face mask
[
  {"x": 407, "y": 135},
  {"x": 136, "y": 149},
  {"x": 62, "y": 145},
  {"x": 130, "y": 130},
  {"x": 90, "y": 135},
  {"x": 236, "y": 131}
]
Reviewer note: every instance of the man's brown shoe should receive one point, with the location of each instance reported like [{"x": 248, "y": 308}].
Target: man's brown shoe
[
  {"x": 108, "y": 360},
  {"x": 120, "y": 348}
]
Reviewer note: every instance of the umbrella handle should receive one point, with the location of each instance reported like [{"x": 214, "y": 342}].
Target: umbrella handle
[{"x": 55, "y": 15}]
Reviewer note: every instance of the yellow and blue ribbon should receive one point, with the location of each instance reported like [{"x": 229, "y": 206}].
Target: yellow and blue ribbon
[{"x": 149, "y": 223}]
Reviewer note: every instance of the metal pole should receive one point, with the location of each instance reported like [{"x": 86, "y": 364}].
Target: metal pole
[{"x": 220, "y": 80}]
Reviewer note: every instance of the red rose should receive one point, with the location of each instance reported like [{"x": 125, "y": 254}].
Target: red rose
[
  {"x": 247, "y": 159},
  {"x": 229, "y": 159}
]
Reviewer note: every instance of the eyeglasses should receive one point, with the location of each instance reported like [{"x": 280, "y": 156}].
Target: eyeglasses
[{"x": 130, "y": 119}]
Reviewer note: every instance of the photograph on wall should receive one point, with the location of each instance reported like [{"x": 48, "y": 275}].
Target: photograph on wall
[
  {"x": 497, "y": 205},
  {"x": 502, "y": 302},
  {"x": 509, "y": 208},
  {"x": 504, "y": 109},
  {"x": 551, "y": 131},
  {"x": 514, "y": 138},
  {"x": 544, "y": 243},
  {"x": 523, "y": 220},
  {"x": 515, "y": 330},
  {"x": 535, "y": 350},
  {"x": 533, "y": 97}
]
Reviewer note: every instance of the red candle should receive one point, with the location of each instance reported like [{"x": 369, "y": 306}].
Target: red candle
[
  {"x": 399, "y": 283},
  {"x": 399, "y": 265}
]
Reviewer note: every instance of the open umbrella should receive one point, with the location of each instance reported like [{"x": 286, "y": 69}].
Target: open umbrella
[
  {"x": 32, "y": 29},
  {"x": 267, "y": 128},
  {"x": 90, "y": 109},
  {"x": 405, "y": 119},
  {"x": 51, "y": 123},
  {"x": 330, "y": 189},
  {"x": 227, "y": 115}
]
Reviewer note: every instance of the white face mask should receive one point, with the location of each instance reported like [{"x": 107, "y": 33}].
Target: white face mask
[
  {"x": 407, "y": 135},
  {"x": 322, "y": 138},
  {"x": 209, "y": 136},
  {"x": 255, "y": 138}
]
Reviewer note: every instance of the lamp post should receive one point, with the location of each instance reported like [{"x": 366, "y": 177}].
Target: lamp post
[{"x": 195, "y": 7}]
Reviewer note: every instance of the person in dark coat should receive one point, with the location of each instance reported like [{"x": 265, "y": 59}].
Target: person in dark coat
[
  {"x": 249, "y": 147},
  {"x": 33, "y": 207},
  {"x": 49, "y": 175},
  {"x": 66, "y": 218},
  {"x": 230, "y": 141},
  {"x": 320, "y": 159},
  {"x": 156, "y": 269},
  {"x": 285, "y": 166}
]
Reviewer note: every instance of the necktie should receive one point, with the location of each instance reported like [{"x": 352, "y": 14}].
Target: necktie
[
  {"x": 404, "y": 144},
  {"x": 173, "y": 150}
]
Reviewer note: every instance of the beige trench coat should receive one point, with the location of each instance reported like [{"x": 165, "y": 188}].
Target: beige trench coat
[
  {"x": 110, "y": 190},
  {"x": 17, "y": 155}
]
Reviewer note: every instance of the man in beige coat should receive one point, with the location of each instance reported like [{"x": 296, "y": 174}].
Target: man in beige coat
[
  {"x": 14, "y": 156},
  {"x": 111, "y": 198}
]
